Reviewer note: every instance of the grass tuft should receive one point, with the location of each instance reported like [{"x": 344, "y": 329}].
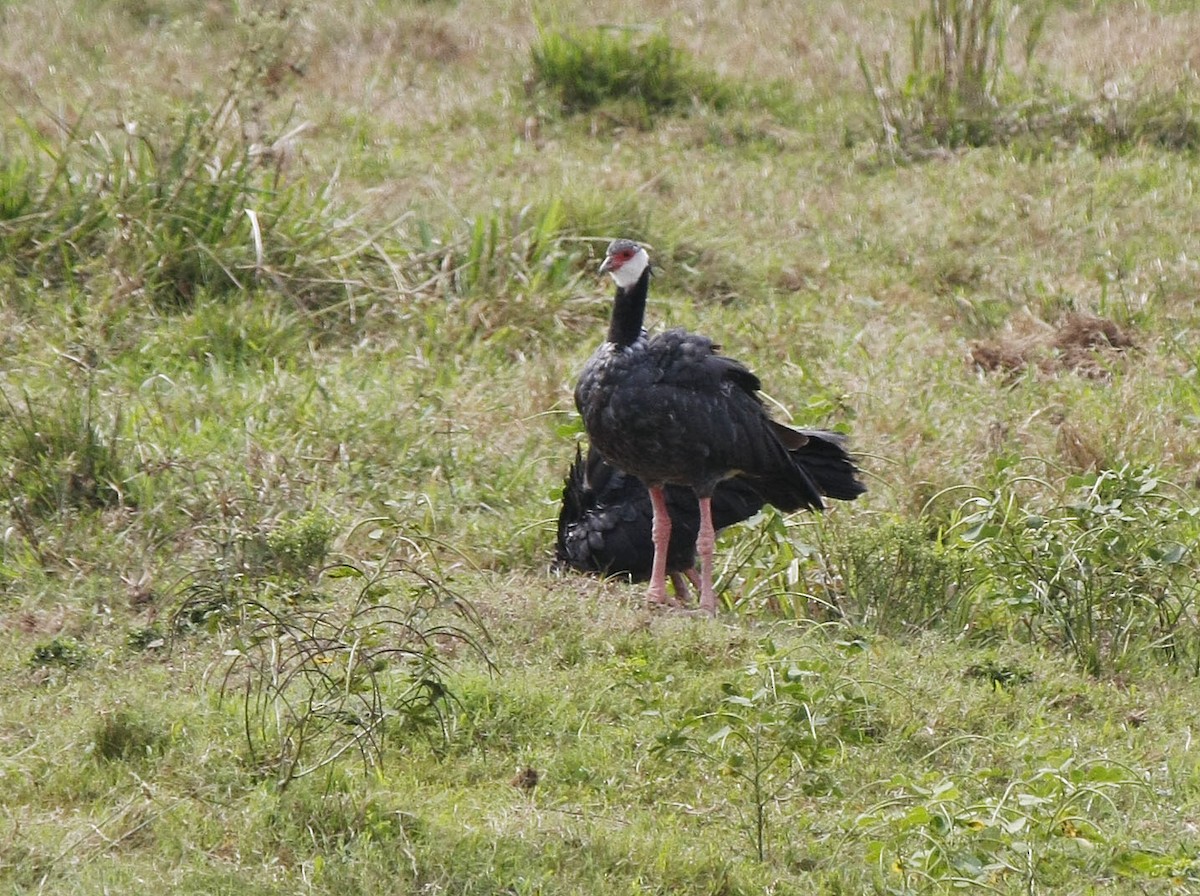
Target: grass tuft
[
  {"x": 957, "y": 89},
  {"x": 18, "y": 186},
  {"x": 960, "y": 91},
  {"x": 882, "y": 575},
  {"x": 63, "y": 456},
  {"x": 125, "y": 735},
  {"x": 298, "y": 548},
  {"x": 586, "y": 70},
  {"x": 893, "y": 577},
  {"x": 164, "y": 212}
]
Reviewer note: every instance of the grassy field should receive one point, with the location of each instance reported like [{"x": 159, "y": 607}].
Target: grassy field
[{"x": 291, "y": 306}]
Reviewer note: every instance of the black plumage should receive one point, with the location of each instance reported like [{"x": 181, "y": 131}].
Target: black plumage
[
  {"x": 671, "y": 410},
  {"x": 604, "y": 523}
]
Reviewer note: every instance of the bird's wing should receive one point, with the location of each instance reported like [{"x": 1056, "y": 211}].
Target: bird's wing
[{"x": 694, "y": 361}]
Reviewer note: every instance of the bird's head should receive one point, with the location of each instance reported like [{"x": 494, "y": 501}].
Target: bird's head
[{"x": 624, "y": 261}]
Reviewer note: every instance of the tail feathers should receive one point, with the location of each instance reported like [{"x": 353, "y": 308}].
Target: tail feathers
[
  {"x": 604, "y": 520},
  {"x": 821, "y": 467},
  {"x": 574, "y": 497},
  {"x": 733, "y": 500},
  {"x": 789, "y": 489},
  {"x": 825, "y": 458},
  {"x": 791, "y": 439}
]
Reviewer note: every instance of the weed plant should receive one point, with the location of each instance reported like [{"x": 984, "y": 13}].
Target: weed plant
[
  {"x": 320, "y": 679},
  {"x": 126, "y": 735},
  {"x": 882, "y": 575},
  {"x": 957, "y": 65},
  {"x": 938, "y": 831},
  {"x": 65, "y": 653},
  {"x": 892, "y": 577},
  {"x": 1108, "y": 574},
  {"x": 775, "y": 729}
]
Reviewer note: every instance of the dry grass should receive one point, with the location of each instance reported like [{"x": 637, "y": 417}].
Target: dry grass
[
  {"x": 1121, "y": 45},
  {"x": 1080, "y": 343}
]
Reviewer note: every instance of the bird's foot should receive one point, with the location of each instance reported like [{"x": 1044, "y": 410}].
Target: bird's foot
[
  {"x": 677, "y": 607},
  {"x": 658, "y": 597}
]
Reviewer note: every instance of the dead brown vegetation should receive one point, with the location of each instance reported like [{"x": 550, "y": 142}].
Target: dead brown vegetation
[{"x": 1080, "y": 343}]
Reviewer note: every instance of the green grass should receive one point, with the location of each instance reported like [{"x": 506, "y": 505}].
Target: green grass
[
  {"x": 64, "y": 455},
  {"x": 587, "y": 70},
  {"x": 291, "y": 305}
]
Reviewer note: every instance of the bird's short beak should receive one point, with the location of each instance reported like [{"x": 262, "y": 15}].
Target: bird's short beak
[{"x": 606, "y": 265}]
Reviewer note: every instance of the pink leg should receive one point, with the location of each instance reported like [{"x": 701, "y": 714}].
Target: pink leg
[
  {"x": 705, "y": 542},
  {"x": 661, "y": 531}
]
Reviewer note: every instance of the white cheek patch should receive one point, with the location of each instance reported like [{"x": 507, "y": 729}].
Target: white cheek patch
[{"x": 628, "y": 273}]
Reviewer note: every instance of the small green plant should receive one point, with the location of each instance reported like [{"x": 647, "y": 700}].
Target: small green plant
[
  {"x": 279, "y": 559},
  {"x": 150, "y": 637},
  {"x": 298, "y": 548},
  {"x": 768, "y": 563},
  {"x": 1107, "y": 573},
  {"x": 883, "y": 575},
  {"x": 892, "y": 577},
  {"x": 940, "y": 830},
  {"x": 63, "y": 652},
  {"x": 585, "y": 70},
  {"x": 317, "y": 682},
  {"x": 775, "y": 727},
  {"x": 17, "y": 185}
]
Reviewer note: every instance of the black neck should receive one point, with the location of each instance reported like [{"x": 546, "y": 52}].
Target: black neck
[{"x": 629, "y": 311}]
